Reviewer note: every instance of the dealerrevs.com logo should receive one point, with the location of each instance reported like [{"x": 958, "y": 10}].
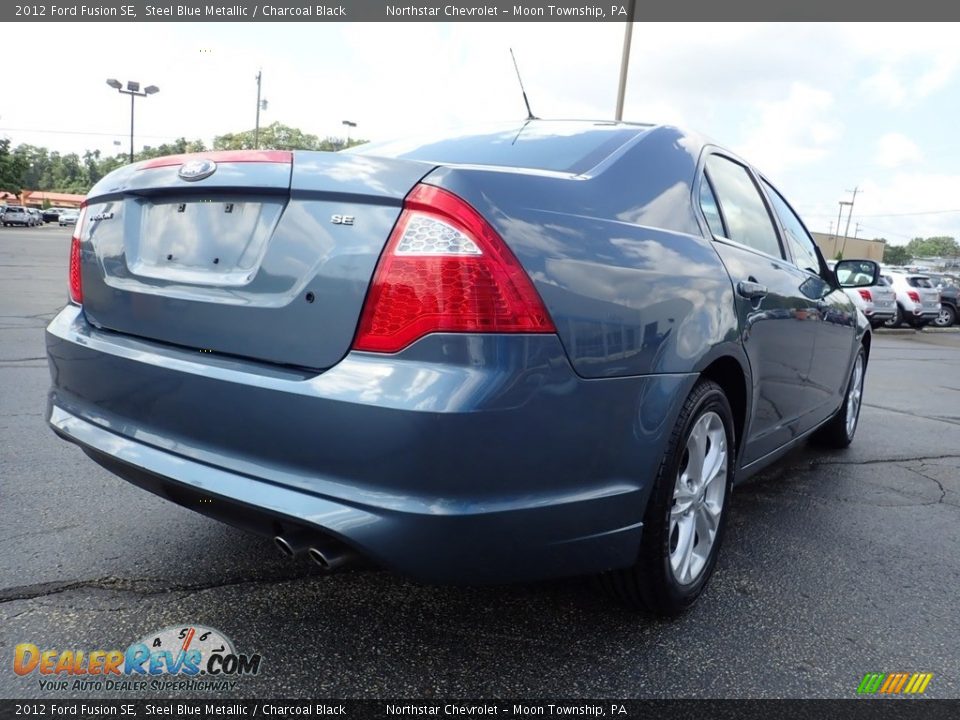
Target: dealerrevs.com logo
[{"x": 180, "y": 658}]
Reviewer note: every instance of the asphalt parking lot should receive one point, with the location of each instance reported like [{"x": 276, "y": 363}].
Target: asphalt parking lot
[{"x": 835, "y": 563}]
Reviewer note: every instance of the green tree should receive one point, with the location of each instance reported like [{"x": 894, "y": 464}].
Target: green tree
[
  {"x": 276, "y": 136},
  {"x": 938, "y": 246},
  {"x": 12, "y": 169},
  {"x": 896, "y": 255}
]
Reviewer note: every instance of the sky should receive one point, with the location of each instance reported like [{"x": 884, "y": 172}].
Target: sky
[{"x": 820, "y": 108}]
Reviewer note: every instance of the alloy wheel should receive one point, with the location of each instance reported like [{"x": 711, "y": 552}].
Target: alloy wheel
[
  {"x": 854, "y": 395},
  {"x": 698, "y": 498}
]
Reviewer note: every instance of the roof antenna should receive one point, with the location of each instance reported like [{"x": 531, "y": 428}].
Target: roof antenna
[{"x": 530, "y": 115}]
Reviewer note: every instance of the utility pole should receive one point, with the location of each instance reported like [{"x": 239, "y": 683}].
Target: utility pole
[
  {"x": 261, "y": 105},
  {"x": 625, "y": 58},
  {"x": 856, "y": 231},
  {"x": 846, "y": 231},
  {"x": 839, "y": 213}
]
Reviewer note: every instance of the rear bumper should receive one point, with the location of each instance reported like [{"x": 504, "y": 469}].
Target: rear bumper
[
  {"x": 921, "y": 313},
  {"x": 465, "y": 458}
]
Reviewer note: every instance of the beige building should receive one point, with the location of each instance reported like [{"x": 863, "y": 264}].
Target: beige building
[{"x": 852, "y": 248}]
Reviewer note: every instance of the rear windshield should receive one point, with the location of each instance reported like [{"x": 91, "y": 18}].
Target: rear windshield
[
  {"x": 919, "y": 282},
  {"x": 562, "y": 147}
]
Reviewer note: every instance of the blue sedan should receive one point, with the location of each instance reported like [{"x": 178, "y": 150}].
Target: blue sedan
[{"x": 524, "y": 351}]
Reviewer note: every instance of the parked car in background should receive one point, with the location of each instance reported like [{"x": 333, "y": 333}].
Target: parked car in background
[
  {"x": 16, "y": 215},
  {"x": 68, "y": 217},
  {"x": 37, "y": 216},
  {"x": 531, "y": 350},
  {"x": 52, "y": 214},
  {"x": 878, "y": 302},
  {"x": 918, "y": 301},
  {"x": 947, "y": 286}
]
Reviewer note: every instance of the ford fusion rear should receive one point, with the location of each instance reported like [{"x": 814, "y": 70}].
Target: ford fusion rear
[{"x": 517, "y": 352}]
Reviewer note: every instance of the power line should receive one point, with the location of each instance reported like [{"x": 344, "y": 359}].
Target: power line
[
  {"x": 78, "y": 132},
  {"x": 881, "y": 215}
]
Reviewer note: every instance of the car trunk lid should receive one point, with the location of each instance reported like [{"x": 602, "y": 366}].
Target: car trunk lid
[{"x": 260, "y": 254}]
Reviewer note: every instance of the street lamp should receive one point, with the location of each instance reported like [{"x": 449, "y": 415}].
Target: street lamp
[
  {"x": 133, "y": 90},
  {"x": 349, "y": 125}
]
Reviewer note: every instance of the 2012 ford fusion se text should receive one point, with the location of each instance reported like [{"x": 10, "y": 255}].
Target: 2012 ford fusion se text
[{"x": 533, "y": 350}]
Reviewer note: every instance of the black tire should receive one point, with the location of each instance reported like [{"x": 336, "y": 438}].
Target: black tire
[
  {"x": 947, "y": 316},
  {"x": 650, "y": 584},
  {"x": 838, "y": 432},
  {"x": 897, "y": 319}
]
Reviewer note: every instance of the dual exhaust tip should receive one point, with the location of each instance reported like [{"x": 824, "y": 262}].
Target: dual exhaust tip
[{"x": 328, "y": 554}]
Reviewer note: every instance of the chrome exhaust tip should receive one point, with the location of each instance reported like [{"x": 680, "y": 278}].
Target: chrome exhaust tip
[
  {"x": 284, "y": 546},
  {"x": 293, "y": 544},
  {"x": 331, "y": 558}
]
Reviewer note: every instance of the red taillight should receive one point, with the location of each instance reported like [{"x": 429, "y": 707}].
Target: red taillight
[
  {"x": 913, "y": 295},
  {"x": 76, "y": 281},
  {"x": 445, "y": 269},
  {"x": 865, "y": 294}
]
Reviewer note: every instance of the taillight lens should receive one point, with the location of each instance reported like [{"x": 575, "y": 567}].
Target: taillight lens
[
  {"x": 913, "y": 295},
  {"x": 76, "y": 281},
  {"x": 445, "y": 269},
  {"x": 865, "y": 294}
]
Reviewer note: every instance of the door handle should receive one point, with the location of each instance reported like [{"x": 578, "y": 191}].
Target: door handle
[{"x": 751, "y": 290}]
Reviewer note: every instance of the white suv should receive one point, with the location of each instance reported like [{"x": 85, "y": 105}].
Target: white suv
[
  {"x": 877, "y": 302},
  {"x": 918, "y": 301}
]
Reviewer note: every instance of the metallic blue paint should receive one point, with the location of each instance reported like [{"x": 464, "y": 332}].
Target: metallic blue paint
[{"x": 465, "y": 456}]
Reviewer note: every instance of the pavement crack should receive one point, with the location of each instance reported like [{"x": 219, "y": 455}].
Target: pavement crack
[
  {"x": 943, "y": 490},
  {"x": 144, "y": 587},
  {"x": 879, "y": 461},
  {"x": 934, "y": 418}
]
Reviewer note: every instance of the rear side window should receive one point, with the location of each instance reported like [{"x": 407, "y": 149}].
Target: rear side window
[
  {"x": 919, "y": 282},
  {"x": 708, "y": 203},
  {"x": 744, "y": 212},
  {"x": 801, "y": 244}
]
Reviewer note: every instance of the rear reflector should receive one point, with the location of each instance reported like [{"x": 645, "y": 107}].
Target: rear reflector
[
  {"x": 913, "y": 295},
  {"x": 445, "y": 269},
  {"x": 76, "y": 280},
  {"x": 865, "y": 294},
  {"x": 222, "y": 156}
]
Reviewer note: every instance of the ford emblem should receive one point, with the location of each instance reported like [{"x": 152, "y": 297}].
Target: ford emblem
[{"x": 197, "y": 169}]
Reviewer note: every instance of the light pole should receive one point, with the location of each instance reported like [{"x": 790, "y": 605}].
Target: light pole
[
  {"x": 133, "y": 90},
  {"x": 261, "y": 105},
  {"x": 349, "y": 124}
]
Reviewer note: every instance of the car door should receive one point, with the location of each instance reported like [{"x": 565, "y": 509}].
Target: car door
[
  {"x": 777, "y": 318},
  {"x": 836, "y": 325}
]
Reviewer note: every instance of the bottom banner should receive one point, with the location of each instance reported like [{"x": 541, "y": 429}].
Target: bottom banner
[{"x": 865, "y": 709}]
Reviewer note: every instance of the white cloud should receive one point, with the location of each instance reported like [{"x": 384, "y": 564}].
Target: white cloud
[
  {"x": 895, "y": 149},
  {"x": 793, "y": 131},
  {"x": 884, "y": 88}
]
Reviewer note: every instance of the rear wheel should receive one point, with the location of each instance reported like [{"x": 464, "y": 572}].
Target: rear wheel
[
  {"x": 685, "y": 516},
  {"x": 947, "y": 316},
  {"x": 897, "y": 319},
  {"x": 839, "y": 431}
]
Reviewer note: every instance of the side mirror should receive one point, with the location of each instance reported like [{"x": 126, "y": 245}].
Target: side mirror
[{"x": 857, "y": 273}]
